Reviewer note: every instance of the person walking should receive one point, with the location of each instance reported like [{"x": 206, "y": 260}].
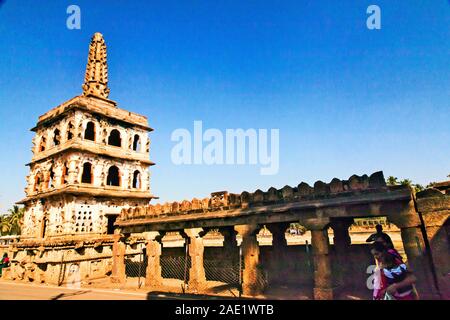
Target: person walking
[
  {"x": 4, "y": 263},
  {"x": 380, "y": 235}
]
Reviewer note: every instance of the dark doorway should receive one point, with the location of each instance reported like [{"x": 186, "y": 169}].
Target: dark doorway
[
  {"x": 111, "y": 221},
  {"x": 86, "y": 177}
]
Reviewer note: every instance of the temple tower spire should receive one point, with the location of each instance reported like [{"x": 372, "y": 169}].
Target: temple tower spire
[{"x": 96, "y": 78}]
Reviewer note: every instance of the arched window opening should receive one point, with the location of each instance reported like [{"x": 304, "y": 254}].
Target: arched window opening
[
  {"x": 37, "y": 181},
  {"x": 113, "y": 178},
  {"x": 136, "y": 143},
  {"x": 114, "y": 138},
  {"x": 86, "y": 176},
  {"x": 89, "y": 133},
  {"x": 65, "y": 172},
  {"x": 56, "y": 137},
  {"x": 51, "y": 179},
  {"x": 42, "y": 144},
  {"x": 70, "y": 131},
  {"x": 137, "y": 180},
  {"x": 43, "y": 227}
]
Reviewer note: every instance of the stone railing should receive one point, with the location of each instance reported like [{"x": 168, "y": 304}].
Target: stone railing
[{"x": 224, "y": 200}]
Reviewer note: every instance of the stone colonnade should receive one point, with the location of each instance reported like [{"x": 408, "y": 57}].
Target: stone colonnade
[
  {"x": 326, "y": 281},
  {"x": 252, "y": 276}
]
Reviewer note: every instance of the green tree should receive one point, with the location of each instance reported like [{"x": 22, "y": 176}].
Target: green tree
[
  {"x": 11, "y": 223},
  {"x": 392, "y": 181},
  {"x": 431, "y": 184},
  {"x": 406, "y": 182}
]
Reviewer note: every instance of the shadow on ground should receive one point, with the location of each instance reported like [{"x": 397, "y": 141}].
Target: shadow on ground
[
  {"x": 65, "y": 295},
  {"x": 159, "y": 295}
]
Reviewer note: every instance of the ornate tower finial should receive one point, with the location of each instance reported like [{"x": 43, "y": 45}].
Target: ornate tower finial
[{"x": 96, "y": 78}]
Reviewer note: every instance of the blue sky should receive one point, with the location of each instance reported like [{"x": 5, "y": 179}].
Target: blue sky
[{"x": 346, "y": 99}]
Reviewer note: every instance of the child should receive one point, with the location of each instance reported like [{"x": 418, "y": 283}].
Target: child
[{"x": 399, "y": 280}]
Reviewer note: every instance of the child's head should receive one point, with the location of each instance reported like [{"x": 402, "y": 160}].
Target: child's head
[
  {"x": 378, "y": 249},
  {"x": 388, "y": 260}
]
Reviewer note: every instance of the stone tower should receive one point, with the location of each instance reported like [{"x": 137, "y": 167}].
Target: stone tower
[{"x": 90, "y": 160}]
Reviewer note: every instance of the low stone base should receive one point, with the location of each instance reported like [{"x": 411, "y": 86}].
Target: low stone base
[
  {"x": 117, "y": 280},
  {"x": 323, "y": 294}
]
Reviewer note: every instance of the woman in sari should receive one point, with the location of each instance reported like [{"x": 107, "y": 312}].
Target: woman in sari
[
  {"x": 392, "y": 279},
  {"x": 399, "y": 280}
]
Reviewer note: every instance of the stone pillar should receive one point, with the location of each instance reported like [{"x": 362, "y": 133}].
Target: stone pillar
[
  {"x": 229, "y": 238},
  {"x": 342, "y": 244},
  {"x": 279, "y": 248},
  {"x": 153, "y": 278},
  {"x": 252, "y": 282},
  {"x": 46, "y": 183},
  {"x": 278, "y": 231},
  {"x": 197, "y": 277},
  {"x": 418, "y": 260},
  {"x": 230, "y": 245},
  {"x": 323, "y": 280},
  {"x": 323, "y": 284},
  {"x": 73, "y": 171},
  {"x": 438, "y": 229},
  {"x": 118, "y": 267}
]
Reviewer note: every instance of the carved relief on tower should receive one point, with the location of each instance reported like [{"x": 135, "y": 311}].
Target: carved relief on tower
[
  {"x": 59, "y": 133},
  {"x": 41, "y": 139},
  {"x": 103, "y": 131},
  {"x": 28, "y": 222},
  {"x": 96, "y": 77}
]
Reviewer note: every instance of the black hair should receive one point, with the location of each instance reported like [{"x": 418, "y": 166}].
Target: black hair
[
  {"x": 388, "y": 259},
  {"x": 378, "y": 246},
  {"x": 379, "y": 227}
]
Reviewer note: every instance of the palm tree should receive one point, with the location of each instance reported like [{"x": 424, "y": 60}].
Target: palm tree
[
  {"x": 392, "y": 181},
  {"x": 16, "y": 219},
  {"x": 406, "y": 182},
  {"x": 11, "y": 223},
  {"x": 5, "y": 226}
]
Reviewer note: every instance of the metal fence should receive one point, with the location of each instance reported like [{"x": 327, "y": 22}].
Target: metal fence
[
  {"x": 136, "y": 266},
  {"x": 176, "y": 267},
  {"x": 227, "y": 270},
  {"x": 222, "y": 271}
]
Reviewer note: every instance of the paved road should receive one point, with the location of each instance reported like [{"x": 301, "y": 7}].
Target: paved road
[{"x": 21, "y": 291}]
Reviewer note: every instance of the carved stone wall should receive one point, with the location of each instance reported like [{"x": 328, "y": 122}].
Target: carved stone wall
[{"x": 68, "y": 215}]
